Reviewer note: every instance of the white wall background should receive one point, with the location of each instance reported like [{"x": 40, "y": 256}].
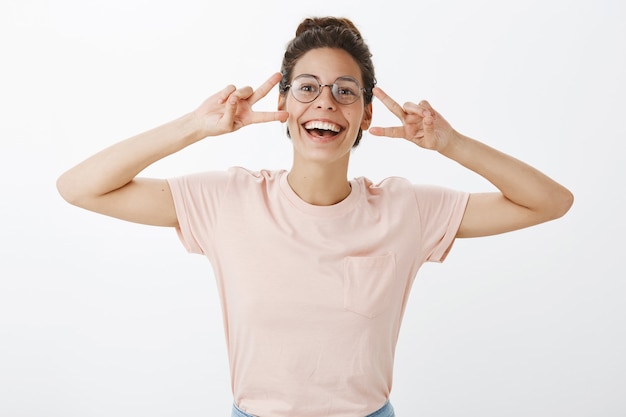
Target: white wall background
[{"x": 105, "y": 318}]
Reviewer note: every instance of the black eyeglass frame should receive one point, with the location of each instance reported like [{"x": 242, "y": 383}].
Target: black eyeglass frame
[{"x": 332, "y": 86}]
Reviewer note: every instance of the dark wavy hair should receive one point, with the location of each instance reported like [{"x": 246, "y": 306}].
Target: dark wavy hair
[{"x": 329, "y": 32}]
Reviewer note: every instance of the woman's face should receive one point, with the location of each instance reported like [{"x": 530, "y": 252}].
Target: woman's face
[{"x": 324, "y": 130}]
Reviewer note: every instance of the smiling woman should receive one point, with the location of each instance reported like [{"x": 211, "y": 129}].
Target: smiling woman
[
  {"x": 314, "y": 269},
  {"x": 324, "y": 129}
]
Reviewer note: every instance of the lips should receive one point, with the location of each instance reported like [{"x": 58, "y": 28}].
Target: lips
[{"x": 322, "y": 129}]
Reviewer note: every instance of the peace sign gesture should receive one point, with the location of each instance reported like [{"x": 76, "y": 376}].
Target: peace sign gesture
[
  {"x": 231, "y": 109},
  {"x": 421, "y": 124}
]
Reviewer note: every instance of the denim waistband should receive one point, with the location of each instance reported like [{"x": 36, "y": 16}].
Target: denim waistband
[{"x": 385, "y": 411}]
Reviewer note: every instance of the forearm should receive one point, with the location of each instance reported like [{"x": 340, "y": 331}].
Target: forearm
[
  {"x": 117, "y": 165},
  {"x": 516, "y": 180}
]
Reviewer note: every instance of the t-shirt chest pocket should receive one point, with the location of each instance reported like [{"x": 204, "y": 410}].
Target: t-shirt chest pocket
[{"x": 368, "y": 283}]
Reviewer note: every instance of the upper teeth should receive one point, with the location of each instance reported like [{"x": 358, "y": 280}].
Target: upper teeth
[{"x": 322, "y": 126}]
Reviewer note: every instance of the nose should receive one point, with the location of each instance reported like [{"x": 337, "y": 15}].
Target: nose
[{"x": 326, "y": 100}]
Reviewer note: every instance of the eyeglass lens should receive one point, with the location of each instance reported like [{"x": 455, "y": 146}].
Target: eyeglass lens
[{"x": 306, "y": 88}]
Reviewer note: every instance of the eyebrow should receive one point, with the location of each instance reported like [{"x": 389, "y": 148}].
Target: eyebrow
[{"x": 346, "y": 76}]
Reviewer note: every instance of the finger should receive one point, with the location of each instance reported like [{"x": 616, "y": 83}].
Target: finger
[
  {"x": 269, "y": 116},
  {"x": 425, "y": 104},
  {"x": 230, "y": 109},
  {"x": 390, "y": 132},
  {"x": 429, "y": 124},
  {"x": 413, "y": 108},
  {"x": 428, "y": 109},
  {"x": 390, "y": 103},
  {"x": 265, "y": 88},
  {"x": 223, "y": 95},
  {"x": 244, "y": 93}
]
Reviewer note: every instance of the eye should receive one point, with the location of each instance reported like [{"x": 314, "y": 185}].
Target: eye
[
  {"x": 347, "y": 88},
  {"x": 307, "y": 88},
  {"x": 346, "y": 91}
]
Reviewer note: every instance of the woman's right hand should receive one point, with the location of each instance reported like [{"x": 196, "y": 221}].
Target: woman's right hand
[{"x": 231, "y": 109}]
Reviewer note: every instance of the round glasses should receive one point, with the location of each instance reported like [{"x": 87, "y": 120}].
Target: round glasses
[{"x": 305, "y": 88}]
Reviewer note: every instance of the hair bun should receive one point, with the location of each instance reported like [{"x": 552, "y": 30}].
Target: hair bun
[{"x": 312, "y": 23}]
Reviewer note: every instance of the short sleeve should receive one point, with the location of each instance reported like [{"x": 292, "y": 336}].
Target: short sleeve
[
  {"x": 197, "y": 199},
  {"x": 440, "y": 213}
]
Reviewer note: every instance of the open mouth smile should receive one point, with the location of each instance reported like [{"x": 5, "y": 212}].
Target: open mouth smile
[{"x": 322, "y": 129}]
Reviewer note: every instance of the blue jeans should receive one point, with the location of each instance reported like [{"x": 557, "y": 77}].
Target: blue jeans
[{"x": 386, "y": 411}]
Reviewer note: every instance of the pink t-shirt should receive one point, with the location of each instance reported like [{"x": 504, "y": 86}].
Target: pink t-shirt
[{"x": 313, "y": 296}]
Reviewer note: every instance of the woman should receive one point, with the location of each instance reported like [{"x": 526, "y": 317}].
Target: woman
[{"x": 313, "y": 269}]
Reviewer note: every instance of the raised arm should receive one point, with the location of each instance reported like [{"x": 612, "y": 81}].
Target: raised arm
[
  {"x": 106, "y": 182},
  {"x": 527, "y": 197}
]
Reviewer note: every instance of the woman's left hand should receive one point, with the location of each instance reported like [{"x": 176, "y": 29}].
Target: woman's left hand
[{"x": 421, "y": 124}]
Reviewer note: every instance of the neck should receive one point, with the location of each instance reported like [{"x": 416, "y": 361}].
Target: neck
[{"x": 320, "y": 185}]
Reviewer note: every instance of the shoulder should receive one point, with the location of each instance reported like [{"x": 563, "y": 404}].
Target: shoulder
[
  {"x": 232, "y": 174},
  {"x": 394, "y": 184},
  {"x": 248, "y": 175},
  {"x": 395, "y": 187},
  {"x": 399, "y": 189}
]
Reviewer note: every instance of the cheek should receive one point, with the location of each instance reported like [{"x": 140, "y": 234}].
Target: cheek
[
  {"x": 295, "y": 112},
  {"x": 292, "y": 122},
  {"x": 355, "y": 117}
]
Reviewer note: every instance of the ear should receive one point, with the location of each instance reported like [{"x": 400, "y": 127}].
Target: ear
[
  {"x": 282, "y": 102},
  {"x": 367, "y": 117}
]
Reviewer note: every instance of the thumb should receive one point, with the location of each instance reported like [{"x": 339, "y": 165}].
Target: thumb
[
  {"x": 229, "y": 110},
  {"x": 429, "y": 123}
]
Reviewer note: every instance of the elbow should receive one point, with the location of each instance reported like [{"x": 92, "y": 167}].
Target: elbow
[
  {"x": 561, "y": 202},
  {"x": 67, "y": 190},
  {"x": 64, "y": 189}
]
